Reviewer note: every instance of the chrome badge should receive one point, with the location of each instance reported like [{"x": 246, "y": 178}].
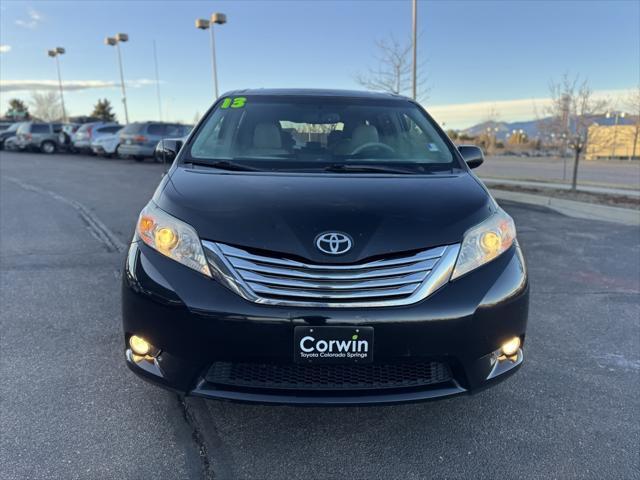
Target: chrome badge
[{"x": 334, "y": 243}]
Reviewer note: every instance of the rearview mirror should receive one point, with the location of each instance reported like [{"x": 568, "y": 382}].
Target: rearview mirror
[
  {"x": 167, "y": 150},
  {"x": 472, "y": 155}
]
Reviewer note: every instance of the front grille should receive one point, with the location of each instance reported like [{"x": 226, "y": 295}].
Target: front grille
[
  {"x": 275, "y": 279},
  {"x": 328, "y": 377}
]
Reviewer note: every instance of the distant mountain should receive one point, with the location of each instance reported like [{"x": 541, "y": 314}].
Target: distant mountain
[{"x": 532, "y": 127}]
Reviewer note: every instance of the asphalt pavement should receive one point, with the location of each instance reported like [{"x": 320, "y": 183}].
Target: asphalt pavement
[{"x": 71, "y": 409}]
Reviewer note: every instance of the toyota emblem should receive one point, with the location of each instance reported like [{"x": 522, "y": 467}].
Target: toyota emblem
[{"x": 334, "y": 243}]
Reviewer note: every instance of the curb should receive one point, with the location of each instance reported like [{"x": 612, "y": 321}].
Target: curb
[{"x": 571, "y": 208}]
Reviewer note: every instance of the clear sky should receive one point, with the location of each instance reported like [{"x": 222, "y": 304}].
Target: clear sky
[{"x": 476, "y": 55}]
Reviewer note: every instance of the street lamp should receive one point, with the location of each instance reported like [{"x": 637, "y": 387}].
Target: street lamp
[
  {"x": 618, "y": 116},
  {"x": 115, "y": 42},
  {"x": 204, "y": 24},
  {"x": 55, "y": 53}
]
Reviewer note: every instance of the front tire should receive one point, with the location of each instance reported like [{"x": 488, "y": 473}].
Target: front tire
[{"x": 48, "y": 147}]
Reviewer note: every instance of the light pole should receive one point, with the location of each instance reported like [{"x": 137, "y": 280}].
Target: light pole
[
  {"x": 564, "y": 156},
  {"x": 492, "y": 137},
  {"x": 155, "y": 60},
  {"x": 115, "y": 42},
  {"x": 204, "y": 24},
  {"x": 56, "y": 52},
  {"x": 618, "y": 116},
  {"x": 414, "y": 73}
]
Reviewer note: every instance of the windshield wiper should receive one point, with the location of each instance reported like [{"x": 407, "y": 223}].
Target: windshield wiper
[
  {"x": 349, "y": 168},
  {"x": 225, "y": 165}
]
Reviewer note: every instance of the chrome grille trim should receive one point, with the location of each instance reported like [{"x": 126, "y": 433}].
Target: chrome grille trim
[
  {"x": 245, "y": 265},
  {"x": 344, "y": 285},
  {"x": 433, "y": 253},
  {"x": 275, "y": 280},
  {"x": 328, "y": 295}
]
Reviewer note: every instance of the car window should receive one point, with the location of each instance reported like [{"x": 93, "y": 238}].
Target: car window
[
  {"x": 157, "y": 129},
  {"x": 174, "y": 131},
  {"x": 40, "y": 128},
  {"x": 57, "y": 127},
  {"x": 110, "y": 129},
  {"x": 308, "y": 130},
  {"x": 133, "y": 128}
]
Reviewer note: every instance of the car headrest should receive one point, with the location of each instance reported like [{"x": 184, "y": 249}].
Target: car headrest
[
  {"x": 365, "y": 134},
  {"x": 267, "y": 135}
]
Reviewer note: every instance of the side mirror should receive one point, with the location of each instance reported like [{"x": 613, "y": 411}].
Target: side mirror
[
  {"x": 472, "y": 155},
  {"x": 167, "y": 150}
]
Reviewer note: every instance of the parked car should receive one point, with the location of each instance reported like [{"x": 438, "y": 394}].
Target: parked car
[
  {"x": 5, "y": 125},
  {"x": 139, "y": 139},
  {"x": 11, "y": 131},
  {"x": 39, "y": 136},
  {"x": 360, "y": 264},
  {"x": 107, "y": 144},
  {"x": 12, "y": 144},
  {"x": 89, "y": 132}
]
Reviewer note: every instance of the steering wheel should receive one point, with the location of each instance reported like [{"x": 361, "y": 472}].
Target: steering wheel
[{"x": 364, "y": 146}]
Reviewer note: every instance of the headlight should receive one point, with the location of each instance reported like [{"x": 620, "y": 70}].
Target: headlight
[
  {"x": 171, "y": 237},
  {"x": 484, "y": 242}
]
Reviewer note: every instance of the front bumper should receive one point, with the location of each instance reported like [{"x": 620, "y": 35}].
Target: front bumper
[{"x": 196, "y": 323}]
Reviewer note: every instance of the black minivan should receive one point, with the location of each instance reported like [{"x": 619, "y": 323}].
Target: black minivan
[{"x": 323, "y": 247}]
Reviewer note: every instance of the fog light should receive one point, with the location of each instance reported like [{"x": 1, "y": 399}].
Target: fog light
[
  {"x": 510, "y": 347},
  {"x": 139, "y": 345}
]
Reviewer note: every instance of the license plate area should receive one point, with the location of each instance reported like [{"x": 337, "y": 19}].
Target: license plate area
[{"x": 324, "y": 345}]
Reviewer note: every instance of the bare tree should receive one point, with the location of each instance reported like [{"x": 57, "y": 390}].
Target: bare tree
[
  {"x": 632, "y": 102},
  {"x": 572, "y": 110},
  {"x": 393, "y": 72},
  {"x": 46, "y": 106}
]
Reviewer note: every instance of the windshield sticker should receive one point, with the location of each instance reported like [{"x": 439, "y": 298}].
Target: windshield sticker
[
  {"x": 433, "y": 147},
  {"x": 237, "y": 102}
]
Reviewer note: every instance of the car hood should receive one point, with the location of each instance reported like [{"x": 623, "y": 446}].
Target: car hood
[{"x": 286, "y": 212}]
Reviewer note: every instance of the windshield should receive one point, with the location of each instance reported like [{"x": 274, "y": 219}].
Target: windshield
[{"x": 308, "y": 133}]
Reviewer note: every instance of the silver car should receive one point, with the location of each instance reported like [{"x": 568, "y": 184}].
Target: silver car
[
  {"x": 139, "y": 139},
  {"x": 90, "y": 132},
  {"x": 39, "y": 136},
  {"x": 10, "y": 132},
  {"x": 107, "y": 144}
]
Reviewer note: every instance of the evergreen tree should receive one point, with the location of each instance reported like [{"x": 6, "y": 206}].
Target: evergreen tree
[
  {"x": 18, "y": 109},
  {"x": 102, "y": 110}
]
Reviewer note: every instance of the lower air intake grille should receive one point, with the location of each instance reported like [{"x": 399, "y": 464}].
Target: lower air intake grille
[{"x": 328, "y": 377}]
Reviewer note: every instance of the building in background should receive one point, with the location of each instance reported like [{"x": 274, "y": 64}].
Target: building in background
[{"x": 613, "y": 142}]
